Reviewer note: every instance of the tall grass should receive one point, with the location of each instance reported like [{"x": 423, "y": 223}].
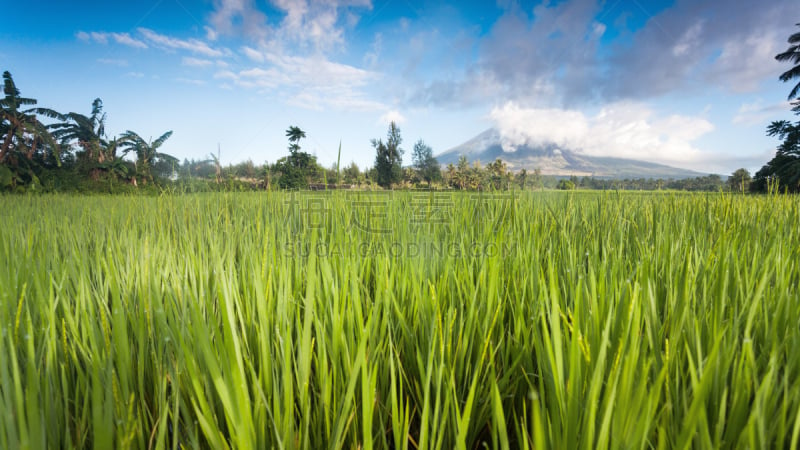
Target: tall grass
[{"x": 546, "y": 320}]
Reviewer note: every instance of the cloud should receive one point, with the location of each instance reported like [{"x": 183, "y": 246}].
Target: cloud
[
  {"x": 253, "y": 54},
  {"x": 576, "y": 53},
  {"x": 392, "y": 116},
  {"x": 238, "y": 18},
  {"x": 103, "y": 38},
  {"x": 310, "y": 82},
  {"x": 744, "y": 64},
  {"x": 757, "y": 113},
  {"x": 625, "y": 129},
  {"x": 113, "y": 62},
  {"x": 211, "y": 34},
  {"x": 171, "y": 43},
  {"x": 728, "y": 43},
  {"x": 196, "y": 62},
  {"x": 374, "y": 53},
  {"x": 134, "y": 75},
  {"x": 315, "y": 25},
  {"x": 191, "y": 81}
]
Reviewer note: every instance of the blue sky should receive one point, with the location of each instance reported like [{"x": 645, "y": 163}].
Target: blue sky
[{"x": 691, "y": 83}]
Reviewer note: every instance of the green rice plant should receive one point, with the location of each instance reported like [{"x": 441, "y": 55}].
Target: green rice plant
[{"x": 400, "y": 320}]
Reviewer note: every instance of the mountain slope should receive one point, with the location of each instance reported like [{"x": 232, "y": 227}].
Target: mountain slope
[{"x": 552, "y": 160}]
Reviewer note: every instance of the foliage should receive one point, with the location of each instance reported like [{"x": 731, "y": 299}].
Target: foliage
[
  {"x": 566, "y": 185},
  {"x": 352, "y": 174},
  {"x": 297, "y": 171},
  {"x": 25, "y": 141},
  {"x": 792, "y": 55},
  {"x": 425, "y": 164},
  {"x": 147, "y": 154},
  {"x": 299, "y": 168},
  {"x": 85, "y": 132},
  {"x": 739, "y": 180},
  {"x": 389, "y": 158},
  {"x": 785, "y": 166}
]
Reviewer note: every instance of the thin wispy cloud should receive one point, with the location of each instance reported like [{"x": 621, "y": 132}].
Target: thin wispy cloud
[
  {"x": 196, "y": 62},
  {"x": 171, "y": 43},
  {"x": 113, "y": 62},
  {"x": 191, "y": 81},
  {"x": 308, "y": 82},
  {"x": 104, "y": 38},
  {"x": 758, "y": 112}
]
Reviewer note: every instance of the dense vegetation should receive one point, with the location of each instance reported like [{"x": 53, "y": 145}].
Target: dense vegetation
[
  {"x": 783, "y": 171},
  {"x": 269, "y": 320}
]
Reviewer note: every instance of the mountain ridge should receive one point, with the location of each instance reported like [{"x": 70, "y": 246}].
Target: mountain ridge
[{"x": 554, "y": 160}]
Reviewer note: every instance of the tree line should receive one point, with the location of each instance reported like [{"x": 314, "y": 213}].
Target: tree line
[{"x": 72, "y": 148}]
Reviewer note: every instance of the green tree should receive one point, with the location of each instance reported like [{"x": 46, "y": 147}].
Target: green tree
[
  {"x": 23, "y": 136},
  {"x": 298, "y": 168},
  {"x": 496, "y": 172},
  {"x": 537, "y": 179},
  {"x": 462, "y": 172},
  {"x": 739, "y": 180},
  {"x": 389, "y": 158},
  {"x": 294, "y": 134},
  {"x": 785, "y": 166},
  {"x": 352, "y": 174},
  {"x": 566, "y": 185},
  {"x": 87, "y": 132},
  {"x": 450, "y": 175},
  {"x": 792, "y": 55},
  {"x": 425, "y": 163},
  {"x": 147, "y": 154}
]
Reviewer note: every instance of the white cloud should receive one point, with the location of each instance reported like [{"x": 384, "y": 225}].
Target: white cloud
[
  {"x": 689, "y": 40},
  {"x": 196, "y": 62},
  {"x": 191, "y": 81},
  {"x": 237, "y": 17},
  {"x": 316, "y": 25},
  {"x": 745, "y": 63},
  {"x": 392, "y": 116},
  {"x": 757, "y": 113},
  {"x": 113, "y": 62},
  {"x": 171, "y": 43},
  {"x": 103, "y": 38},
  {"x": 627, "y": 130},
  {"x": 135, "y": 75},
  {"x": 211, "y": 34},
  {"x": 310, "y": 82},
  {"x": 372, "y": 56},
  {"x": 126, "y": 39},
  {"x": 253, "y": 54}
]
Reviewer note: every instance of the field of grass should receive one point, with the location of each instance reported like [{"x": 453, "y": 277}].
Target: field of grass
[{"x": 333, "y": 320}]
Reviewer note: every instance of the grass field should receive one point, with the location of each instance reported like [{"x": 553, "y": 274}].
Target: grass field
[{"x": 400, "y": 320}]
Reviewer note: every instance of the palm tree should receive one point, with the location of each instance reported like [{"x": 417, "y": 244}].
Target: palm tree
[
  {"x": 147, "y": 154},
  {"x": 295, "y": 134},
  {"x": 21, "y": 130},
  {"x": 88, "y": 132},
  {"x": 792, "y": 54},
  {"x": 217, "y": 164},
  {"x": 114, "y": 165}
]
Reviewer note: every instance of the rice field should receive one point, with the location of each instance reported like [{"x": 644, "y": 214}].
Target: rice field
[{"x": 568, "y": 320}]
